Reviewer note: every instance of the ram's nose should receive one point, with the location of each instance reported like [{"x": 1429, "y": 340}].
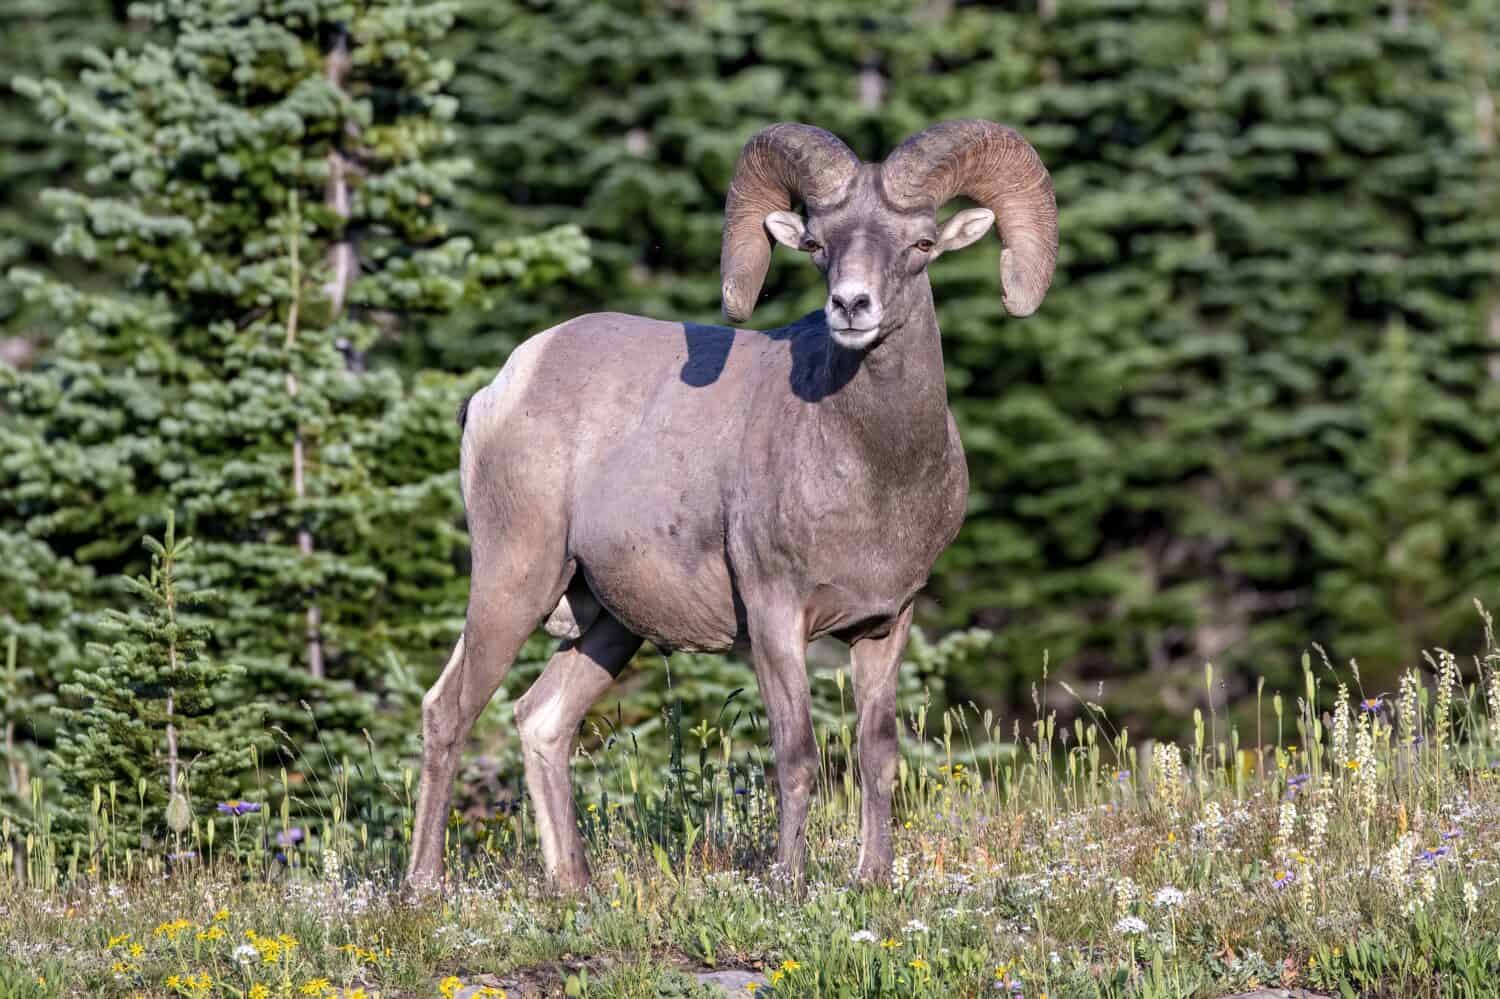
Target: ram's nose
[{"x": 852, "y": 307}]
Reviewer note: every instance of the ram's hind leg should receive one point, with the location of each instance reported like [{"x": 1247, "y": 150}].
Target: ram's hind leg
[
  {"x": 511, "y": 589},
  {"x": 548, "y": 716}
]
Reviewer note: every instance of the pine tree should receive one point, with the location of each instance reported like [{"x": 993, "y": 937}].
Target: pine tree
[
  {"x": 155, "y": 724},
  {"x": 279, "y": 186},
  {"x": 38, "y": 37}
]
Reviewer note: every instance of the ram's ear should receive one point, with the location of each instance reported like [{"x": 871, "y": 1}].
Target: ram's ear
[
  {"x": 964, "y": 228},
  {"x": 787, "y": 228}
]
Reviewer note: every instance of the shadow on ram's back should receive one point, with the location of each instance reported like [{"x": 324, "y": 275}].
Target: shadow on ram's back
[{"x": 819, "y": 367}]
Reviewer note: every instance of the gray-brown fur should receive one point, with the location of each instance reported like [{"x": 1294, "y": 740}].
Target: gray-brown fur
[{"x": 707, "y": 488}]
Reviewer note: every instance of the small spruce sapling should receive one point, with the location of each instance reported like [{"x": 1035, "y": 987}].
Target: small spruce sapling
[{"x": 153, "y": 723}]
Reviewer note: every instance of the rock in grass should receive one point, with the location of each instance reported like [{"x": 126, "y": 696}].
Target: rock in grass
[{"x": 732, "y": 982}]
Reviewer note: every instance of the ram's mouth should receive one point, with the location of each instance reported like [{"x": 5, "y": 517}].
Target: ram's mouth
[{"x": 854, "y": 337}]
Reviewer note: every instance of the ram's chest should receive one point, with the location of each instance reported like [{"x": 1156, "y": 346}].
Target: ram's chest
[{"x": 857, "y": 538}]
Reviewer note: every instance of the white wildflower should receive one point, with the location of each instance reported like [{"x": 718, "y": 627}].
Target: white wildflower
[
  {"x": 1471, "y": 898},
  {"x": 1397, "y": 861},
  {"x": 1406, "y": 706},
  {"x": 1364, "y": 774},
  {"x": 1340, "y": 734},
  {"x": 862, "y": 936},
  {"x": 1447, "y": 680},
  {"x": 1130, "y": 926},
  {"x": 901, "y": 871},
  {"x": 1286, "y": 826},
  {"x": 1492, "y": 692},
  {"x": 1166, "y": 761},
  {"x": 245, "y": 953},
  {"x": 1126, "y": 894},
  {"x": 1305, "y": 883},
  {"x": 1425, "y": 894},
  {"x": 1317, "y": 826},
  {"x": 916, "y": 926},
  {"x": 1168, "y": 898}
]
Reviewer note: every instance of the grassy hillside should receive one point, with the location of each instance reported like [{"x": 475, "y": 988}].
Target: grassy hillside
[{"x": 1353, "y": 854}]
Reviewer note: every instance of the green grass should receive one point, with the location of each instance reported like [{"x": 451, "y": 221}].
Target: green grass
[{"x": 1357, "y": 853}]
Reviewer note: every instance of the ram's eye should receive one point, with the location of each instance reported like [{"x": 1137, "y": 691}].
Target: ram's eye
[
  {"x": 925, "y": 245},
  {"x": 810, "y": 245}
]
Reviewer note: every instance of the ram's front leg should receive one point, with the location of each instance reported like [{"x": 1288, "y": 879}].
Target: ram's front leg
[
  {"x": 778, "y": 640},
  {"x": 876, "y": 661}
]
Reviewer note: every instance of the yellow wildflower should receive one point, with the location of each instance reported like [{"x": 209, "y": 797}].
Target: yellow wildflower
[
  {"x": 918, "y": 963},
  {"x": 258, "y": 991},
  {"x": 269, "y": 950},
  {"x": 174, "y": 982},
  {"x": 789, "y": 965},
  {"x": 316, "y": 987},
  {"x": 115, "y": 941},
  {"x": 751, "y": 987},
  {"x": 889, "y": 943},
  {"x": 221, "y": 915},
  {"x": 136, "y": 950},
  {"x": 449, "y": 986},
  {"x": 777, "y": 976},
  {"x": 212, "y": 933},
  {"x": 170, "y": 930}
]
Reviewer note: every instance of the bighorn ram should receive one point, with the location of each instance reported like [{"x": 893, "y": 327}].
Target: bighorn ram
[{"x": 710, "y": 489}]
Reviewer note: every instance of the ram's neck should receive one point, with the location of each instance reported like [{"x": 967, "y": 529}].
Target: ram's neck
[{"x": 895, "y": 401}]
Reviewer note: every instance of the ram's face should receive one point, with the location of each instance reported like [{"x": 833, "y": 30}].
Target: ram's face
[
  {"x": 872, "y": 227},
  {"x": 874, "y": 256}
]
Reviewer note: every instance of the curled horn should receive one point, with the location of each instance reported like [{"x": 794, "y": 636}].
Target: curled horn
[
  {"x": 993, "y": 166},
  {"x": 779, "y": 163}
]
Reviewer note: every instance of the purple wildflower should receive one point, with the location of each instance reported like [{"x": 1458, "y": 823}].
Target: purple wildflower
[
  {"x": 1370, "y": 705},
  {"x": 184, "y": 855},
  {"x": 1283, "y": 879},
  {"x": 1297, "y": 780},
  {"x": 290, "y": 837},
  {"x": 237, "y": 808},
  {"x": 1453, "y": 833},
  {"x": 1431, "y": 856},
  {"x": 1122, "y": 776}
]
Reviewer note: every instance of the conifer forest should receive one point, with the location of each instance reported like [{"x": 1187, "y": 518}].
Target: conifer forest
[{"x": 1204, "y": 699}]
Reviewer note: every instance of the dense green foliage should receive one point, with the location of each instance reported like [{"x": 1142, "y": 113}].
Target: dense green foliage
[
  {"x": 277, "y": 192},
  {"x": 39, "y": 38},
  {"x": 1260, "y": 407}
]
